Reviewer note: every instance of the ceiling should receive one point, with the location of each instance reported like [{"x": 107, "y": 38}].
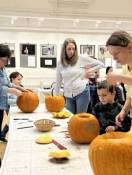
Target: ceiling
[{"x": 77, "y": 16}]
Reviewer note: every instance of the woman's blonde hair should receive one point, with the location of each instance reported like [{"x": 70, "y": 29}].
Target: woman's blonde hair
[
  {"x": 64, "y": 58},
  {"x": 119, "y": 38}
]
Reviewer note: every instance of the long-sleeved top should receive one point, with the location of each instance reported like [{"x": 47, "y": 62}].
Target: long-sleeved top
[
  {"x": 106, "y": 116},
  {"x": 4, "y": 85},
  {"x": 12, "y": 98},
  {"x": 72, "y": 76}
]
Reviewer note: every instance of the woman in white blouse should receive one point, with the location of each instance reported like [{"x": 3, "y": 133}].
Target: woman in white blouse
[{"x": 70, "y": 71}]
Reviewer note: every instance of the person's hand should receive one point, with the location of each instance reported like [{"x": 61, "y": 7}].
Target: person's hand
[
  {"x": 119, "y": 118},
  {"x": 113, "y": 78},
  {"x": 29, "y": 90},
  {"x": 110, "y": 129},
  {"x": 89, "y": 71}
]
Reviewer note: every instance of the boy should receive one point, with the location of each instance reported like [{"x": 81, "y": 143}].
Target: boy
[{"x": 107, "y": 109}]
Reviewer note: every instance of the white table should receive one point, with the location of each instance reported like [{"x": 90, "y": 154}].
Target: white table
[{"x": 24, "y": 157}]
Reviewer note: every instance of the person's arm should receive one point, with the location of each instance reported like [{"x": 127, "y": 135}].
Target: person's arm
[
  {"x": 126, "y": 124},
  {"x": 126, "y": 108},
  {"x": 14, "y": 91},
  {"x": 90, "y": 65},
  {"x": 113, "y": 78},
  {"x": 58, "y": 81},
  {"x": 21, "y": 88}
]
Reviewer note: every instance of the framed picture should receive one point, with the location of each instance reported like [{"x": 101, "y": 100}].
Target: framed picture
[
  {"x": 28, "y": 57},
  {"x": 106, "y": 57},
  {"x": 48, "y": 62},
  {"x": 48, "y": 50},
  {"x": 103, "y": 52},
  {"x": 12, "y": 62},
  {"x": 28, "y": 49},
  {"x": 88, "y": 49}
]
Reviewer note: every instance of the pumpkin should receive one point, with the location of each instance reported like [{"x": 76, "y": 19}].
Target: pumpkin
[
  {"x": 28, "y": 101},
  {"x": 111, "y": 154},
  {"x": 83, "y": 127},
  {"x": 54, "y": 103}
]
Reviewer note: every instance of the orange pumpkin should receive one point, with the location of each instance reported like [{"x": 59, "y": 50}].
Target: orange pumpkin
[
  {"x": 83, "y": 127},
  {"x": 111, "y": 154},
  {"x": 28, "y": 101},
  {"x": 54, "y": 103}
]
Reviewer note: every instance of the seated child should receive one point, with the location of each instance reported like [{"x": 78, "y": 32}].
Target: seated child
[
  {"x": 107, "y": 109},
  {"x": 15, "y": 79}
]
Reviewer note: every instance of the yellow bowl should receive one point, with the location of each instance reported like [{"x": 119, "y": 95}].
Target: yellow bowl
[{"x": 44, "y": 124}]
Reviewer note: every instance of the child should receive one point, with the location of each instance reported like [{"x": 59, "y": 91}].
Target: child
[
  {"x": 107, "y": 109},
  {"x": 15, "y": 79}
]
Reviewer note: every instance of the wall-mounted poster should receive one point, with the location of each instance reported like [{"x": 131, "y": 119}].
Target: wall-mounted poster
[
  {"x": 48, "y": 55},
  {"x": 28, "y": 57},
  {"x": 12, "y": 62},
  {"x": 88, "y": 49},
  {"x": 48, "y": 50},
  {"x": 106, "y": 57},
  {"x": 103, "y": 52},
  {"x": 48, "y": 62}
]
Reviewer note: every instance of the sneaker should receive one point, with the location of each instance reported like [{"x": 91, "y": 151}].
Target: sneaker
[{"x": 3, "y": 139}]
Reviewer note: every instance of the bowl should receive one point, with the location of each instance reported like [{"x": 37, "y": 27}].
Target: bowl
[{"x": 44, "y": 124}]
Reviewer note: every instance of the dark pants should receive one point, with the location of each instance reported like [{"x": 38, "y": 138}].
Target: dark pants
[
  {"x": 1, "y": 119},
  {"x": 4, "y": 131}
]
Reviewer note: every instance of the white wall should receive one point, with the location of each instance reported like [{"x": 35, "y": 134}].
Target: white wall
[{"x": 33, "y": 77}]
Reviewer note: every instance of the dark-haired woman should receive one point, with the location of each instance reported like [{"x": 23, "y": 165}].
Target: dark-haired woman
[{"x": 119, "y": 45}]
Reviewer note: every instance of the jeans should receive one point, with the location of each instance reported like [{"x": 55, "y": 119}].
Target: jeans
[{"x": 79, "y": 103}]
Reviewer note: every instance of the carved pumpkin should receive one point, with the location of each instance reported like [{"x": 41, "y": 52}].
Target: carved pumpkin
[
  {"x": 54, "y": 103},
  {"x": 111, "y": 154},
  {"x": 28, "y": 101},
  {"x": 83, "y": 127}
]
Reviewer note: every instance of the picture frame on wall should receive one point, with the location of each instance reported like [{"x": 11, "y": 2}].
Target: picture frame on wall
[
  {"x": 48, "y": 50},
  {"x": 103, "y": 52},
  {"x": 88, "y": 50},
  {"x": 48, "y": 62},
  {"x": 12, "y": 62},
  {"x": 106, "y": 57},
  {"x": 28, "y": 49},
  {"x": 28, "y": 56}
]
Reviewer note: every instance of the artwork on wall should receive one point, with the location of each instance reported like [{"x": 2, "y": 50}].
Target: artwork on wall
[
  {"x": 48, "y": 55},
  {"x": 28, "y": 55},
  {"x": 48, "y": 50},
  {"x": 48, "y": 62},
  {"x": 106, "y": 57},
  {"x": 103, "y": 52},
  {"x": 28, "y": 49},
  {"x": 12, "y": 62},
  {"x": 88, "y": 49}
]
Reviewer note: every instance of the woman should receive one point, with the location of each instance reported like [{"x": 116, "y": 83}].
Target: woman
[
  {"x": 5, "y": 86},
  {"x": 15, "y": 79},
  {"x": 119, "y": 45},
  {"x": 71, "y": 71}
]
